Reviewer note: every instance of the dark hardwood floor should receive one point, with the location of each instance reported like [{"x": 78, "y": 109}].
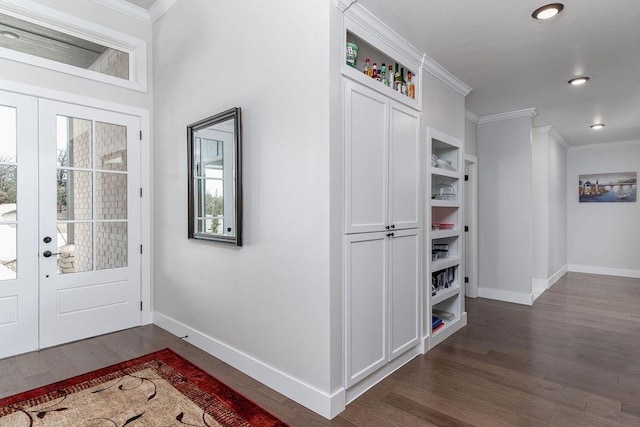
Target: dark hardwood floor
[{"x": 573, "y": 359}]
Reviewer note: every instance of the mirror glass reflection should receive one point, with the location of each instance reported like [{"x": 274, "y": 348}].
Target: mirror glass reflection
[{"x": 214, "y": 164}]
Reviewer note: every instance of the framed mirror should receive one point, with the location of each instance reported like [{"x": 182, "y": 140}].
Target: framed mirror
[{"x": 215, "y": 185}]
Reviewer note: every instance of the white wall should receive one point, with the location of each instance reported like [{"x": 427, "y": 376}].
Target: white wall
[
  {"x": 557, "y": 248},
  {"x": 505, "y": 209},
  {"x": 106, "y": 17},
  {"x": 549, "y": 157},
  {"x": 603, "y": 237},
  {"x": 268, "y": 301},
  {"x": 442, "y": 107},
  {"x": 470, "y": 137}
]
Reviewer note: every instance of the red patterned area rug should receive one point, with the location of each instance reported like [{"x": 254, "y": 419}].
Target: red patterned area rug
[{"x": 159, "y": 389}]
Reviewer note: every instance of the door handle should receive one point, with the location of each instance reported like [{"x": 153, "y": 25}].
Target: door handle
[
  {"x": 48, "y": 253},
  {"x": 389, "y": 234}
]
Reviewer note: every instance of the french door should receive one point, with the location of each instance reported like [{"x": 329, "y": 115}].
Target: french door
[{"x": 76, "y": 267}]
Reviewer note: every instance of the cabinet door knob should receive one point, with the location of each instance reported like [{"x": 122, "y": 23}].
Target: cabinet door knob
[
  {"x": 387, "y": 227},
  {"x": 393, "y": 226},
  {"x": 389, "y": 234}
]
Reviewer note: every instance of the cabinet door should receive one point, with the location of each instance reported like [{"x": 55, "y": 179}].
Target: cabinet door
[
  {"x": 404, "y": 169},
  {"x": 366, "y": 126},
  {"x": 365, "y": 305},
  {"x": 404, "y": 285}
]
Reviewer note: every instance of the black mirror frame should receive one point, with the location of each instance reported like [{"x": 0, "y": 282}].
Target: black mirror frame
[{"x": 231, "y": 114}]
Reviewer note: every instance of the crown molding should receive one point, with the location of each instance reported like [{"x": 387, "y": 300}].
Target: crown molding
[
  {"x": 438, "y": 71},
  {"x": 606, "y": 145},
  {"x": 471, "y": 116},
  {"x": 550, "y": 131},
  {"x": 126, "y": 8},
  {"x": 559, "y": 138},
  {"x": 343, "y": 5},
  {"x": 397, "y": 47},
  {"x": 527, "y": 112},
  {"x": 159, "y": 8}
]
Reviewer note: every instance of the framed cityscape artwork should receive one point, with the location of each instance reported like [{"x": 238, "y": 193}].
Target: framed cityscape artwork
[{"x": 608, "y": 187}]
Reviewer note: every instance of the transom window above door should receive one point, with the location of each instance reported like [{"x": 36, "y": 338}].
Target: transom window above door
[{"x": 73, "y": 46}]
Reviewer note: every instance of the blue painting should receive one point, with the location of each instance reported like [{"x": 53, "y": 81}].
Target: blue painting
[{"x": 608, "y": 187}]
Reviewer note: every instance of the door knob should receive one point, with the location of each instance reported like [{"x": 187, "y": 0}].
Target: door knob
[
  {"x": 47, "y": 239},
  {"x": 47, "y": 253}
]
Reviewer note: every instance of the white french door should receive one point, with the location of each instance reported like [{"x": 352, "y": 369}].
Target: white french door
[{"x": 77, "y": 225}]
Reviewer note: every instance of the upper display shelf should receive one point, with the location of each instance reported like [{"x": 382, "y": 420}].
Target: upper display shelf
[{"x": 386, "y": 71}]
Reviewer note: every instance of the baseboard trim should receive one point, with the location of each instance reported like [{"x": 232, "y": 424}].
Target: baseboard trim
[
  {"x": 507, "y": 296},
  {"x": 606, "y": 271},
  {"x": 324, "y": 404},
  {"x": 557, "y": 276},
  {"x": 538, "y": 286}
]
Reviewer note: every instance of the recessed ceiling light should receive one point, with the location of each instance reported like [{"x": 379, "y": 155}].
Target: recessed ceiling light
[
  {"x": 548, "y": 11},
  {"x": 578, "y": 81},
  {"x": 9, "y": 35},
  {"x": 597, "y": 126}
]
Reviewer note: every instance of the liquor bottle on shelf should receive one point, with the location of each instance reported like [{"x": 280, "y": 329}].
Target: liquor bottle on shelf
[
  {"x": 397, "y": 79},
  {"x": 367, "y": 68},
  {"x": 374, "y": 70},
  {"x": 389, "y": 81},
  {"x": 411, "y": 87},
  {"x": 403, "y": 83},
  {"x": 383, "y": 74}
]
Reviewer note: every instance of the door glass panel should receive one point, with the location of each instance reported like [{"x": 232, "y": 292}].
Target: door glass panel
[
  {"x": 8, "y": 258},
  {"x": 111, "y": 146},
  {"x": 75, "y": 195},
  {"x": 8, "y": 194},
  {"x": 75, "y": 247},
  {"x": 111, "y": 245},
  {"x": 111, "y": 196},
  {"x": 74, "y": 143},
  {"x": 7, "y": 134}
]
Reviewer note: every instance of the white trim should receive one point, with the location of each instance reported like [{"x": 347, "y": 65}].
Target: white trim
[
  {"x": 607, "y": 145},
  {"x": 327, "y": 405},
  {"x": 126, "y": 8},
  {"x": 606, "y": 271},
  {"x": 398, "y": 47},
  {"x": 550, "y": 131},
  {"x": 538, "y": 286},
  {"x": 437, "y": 70},
  {"x": 472, "y": 221},
  {"x": 507, "y": 296},
  {"x": 527, "y": 112},
  {"x": 159, "y": 8},
  {"x": 37, "y": 13},
  {"x": 471, "y": 116},
  {"x": 559, "y": 138},
  {"x": 358, "y": 389},
  {"x": 557, "y": 276}
]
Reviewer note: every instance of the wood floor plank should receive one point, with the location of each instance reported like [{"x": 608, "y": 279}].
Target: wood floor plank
[{"x": 571, "y": 359}]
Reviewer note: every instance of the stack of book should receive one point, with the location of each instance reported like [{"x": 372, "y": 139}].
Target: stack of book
[{"x": 436, "y": 323}]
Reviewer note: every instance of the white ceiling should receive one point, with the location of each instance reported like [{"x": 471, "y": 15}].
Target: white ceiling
[{"x": 514, "y": 62}]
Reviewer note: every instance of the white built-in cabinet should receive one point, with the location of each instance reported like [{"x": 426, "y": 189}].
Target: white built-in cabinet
[
  {"x": 382, "y": 229},
  {"x": 381, "y": 299},
  {"x": 381, "y": 151}
]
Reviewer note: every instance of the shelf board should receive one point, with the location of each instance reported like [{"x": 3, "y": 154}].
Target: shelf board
[
  {"x": 449, "y": 328},
  {"x": 441, "y": 234},
  {"x": 445, "y": 172},
  {"x": 445, "y": 294},
  {"x": 441, "y": 264},
  {"x": 367, "y": 81},
  {"x": 445, "y": 203}
]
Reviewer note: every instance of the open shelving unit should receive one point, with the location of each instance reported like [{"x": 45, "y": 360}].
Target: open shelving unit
[{"x": 444, "y": 246}]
